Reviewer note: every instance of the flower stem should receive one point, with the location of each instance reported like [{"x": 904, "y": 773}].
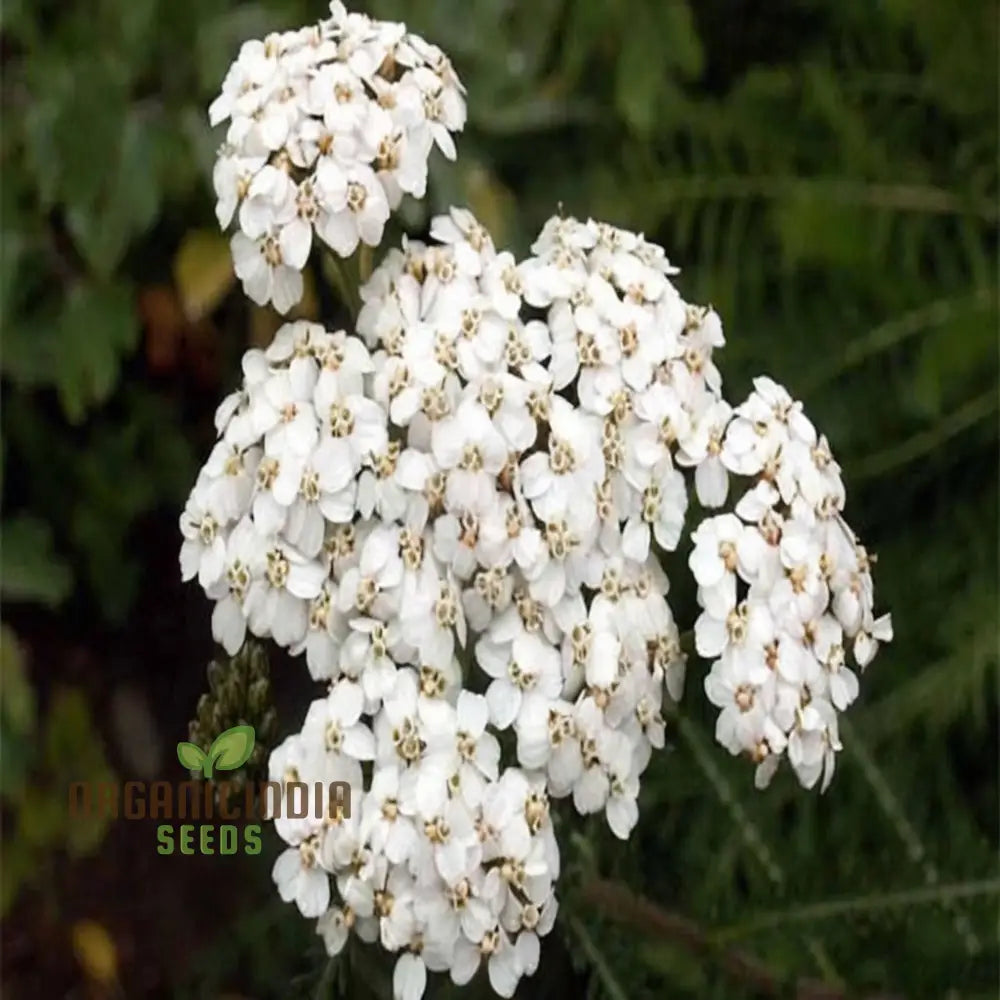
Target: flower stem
[
  {"x": 597, "y": 960},
  {"x": 365, "y": 261},
  {"x": 617, "y": 903},
  {"x": 828, "y": 909},
  {"x": 346, "y": 289}
]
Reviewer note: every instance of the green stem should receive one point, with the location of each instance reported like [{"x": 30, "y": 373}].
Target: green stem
[
  {"x": 921, "y": 444},
  {"x": 923, "y": 199},
  {"x": 893, "y": 810},
  {"x": 345, "y": 287},
  {"x": 858, "y": 904},
  {"x": 596, "y": 959},
  {"x": 617, "y": 903},
  {"x": 894, "y": 332},
  {"x": 323, "y": 987},
  {"x": 751, "y": 836},
  {"x": 365, "y": 262}
]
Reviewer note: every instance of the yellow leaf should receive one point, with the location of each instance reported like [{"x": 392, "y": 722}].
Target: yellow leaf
[
  {"x": 490, "y": 202},
  {"x": 95, "y": 951},
  {"x": 203, "y": 272}
]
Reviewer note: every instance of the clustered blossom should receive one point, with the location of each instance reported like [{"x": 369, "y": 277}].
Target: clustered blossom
[
  {"x": 787, "y": 594},
  {"x": 459, "y": 516},
  {"x": 329, "y": 126}
]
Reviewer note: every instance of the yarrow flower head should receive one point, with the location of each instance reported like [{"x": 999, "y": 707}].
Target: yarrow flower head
[
  {"x": 786, "y": 591},
  {"x": 460, "y": 514},
  {"x": 329, "y": 126}
]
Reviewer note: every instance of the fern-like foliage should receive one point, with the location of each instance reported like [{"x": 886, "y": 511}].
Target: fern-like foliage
[{"x": 826, "y": 175}]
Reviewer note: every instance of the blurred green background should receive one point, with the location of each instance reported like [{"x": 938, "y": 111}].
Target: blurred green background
[{"x": 825, "y": 174}]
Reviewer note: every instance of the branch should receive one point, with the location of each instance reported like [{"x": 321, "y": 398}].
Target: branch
[
  {"x": 342, "y": 280},
  {"x": 939, "y": 894},
  {"x": 620, "y": 904},
  {"x": 894, "y": 332},
  {"x": 596, "y": 959},
  {"x": 889, "y": 459},
  {"x": 915, "y": 850},
  {"x": 921, "y": 199}
]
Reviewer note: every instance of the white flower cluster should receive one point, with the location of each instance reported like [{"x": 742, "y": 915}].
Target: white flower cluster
[
  {"x": 458, "y": 516},
  {"x": 407, "y": 512},
  {"x": 329, "y": 126},
  {"x": 444, "y": 859},
  {"x": 786, "y": 590}
]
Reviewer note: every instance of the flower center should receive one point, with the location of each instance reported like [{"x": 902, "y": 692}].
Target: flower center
[
  {"x": 562, "y": 458},
  {"x": 357, "y": 195},
  {"x": 277, "y": 569},
  {"x": 341, "y": 421},
  {"x": 744, "y": 697}
]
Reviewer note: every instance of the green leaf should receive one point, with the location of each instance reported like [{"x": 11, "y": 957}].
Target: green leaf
[
  {"x": 679, "y": 969},
  {"x": 31, "y": 347},
  {"x": 43, "y": 818},
  {"x": 954, "y": 360},
  {"x": 232, "y": 748},
  {"x": 126, "y": 205},
  {"x": 17, "y": 718},
  {"x": 17, "y": 757},
  {"x": 97, "y": 326},
  {"x": 934, "y": 894},
  {"x": 41, "y": 120},
  {"x": 190, "y": 756},
  {"x": 133, "y": 27},
  {"x": 588, "y": 28},
  {"x": 73, "y": 751},
  {"x": 19, "y": 866},
  {"x": 17, "y": 697},
  {"x": 598, "y": 960},
  {"x": 12, "y": 241},
  {"x": 73, "y": 748},
  {"x": 75, "y": 118},
  {"x": 846, "y": 239},
  {"x": 659, "y": 47},
  {"x": 18, "y": 20},
  {"x": 641, "y": 75},
  {"x": 684, "y": 49},
  {"x": 96, "y": 503},
  {"x": 29, "y": 568},
  {"x": 220, "y": 37}
]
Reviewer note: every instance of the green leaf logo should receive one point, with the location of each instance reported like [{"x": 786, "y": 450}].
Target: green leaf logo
[
  {"x": 230, "y": 750},
  {"x": 190, "y": 756}
]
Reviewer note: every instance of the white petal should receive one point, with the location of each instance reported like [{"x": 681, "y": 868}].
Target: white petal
[
  {"x": 504, "y": 701},
  {"x": 473, "y": 712},
  {"x": 503, "y": 971},
  {"x": 623, "y": 813},
  {"x": 295, "y": 242},
  {"x": 409, "y": 978}
]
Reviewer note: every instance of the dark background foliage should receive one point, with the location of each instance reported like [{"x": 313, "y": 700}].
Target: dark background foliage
[{"x": 824, "y": 173}]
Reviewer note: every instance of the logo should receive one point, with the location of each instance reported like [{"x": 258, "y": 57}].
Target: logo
[
  {"x": 229, "y": 751},
  {"x": 239, "y": 806}
]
